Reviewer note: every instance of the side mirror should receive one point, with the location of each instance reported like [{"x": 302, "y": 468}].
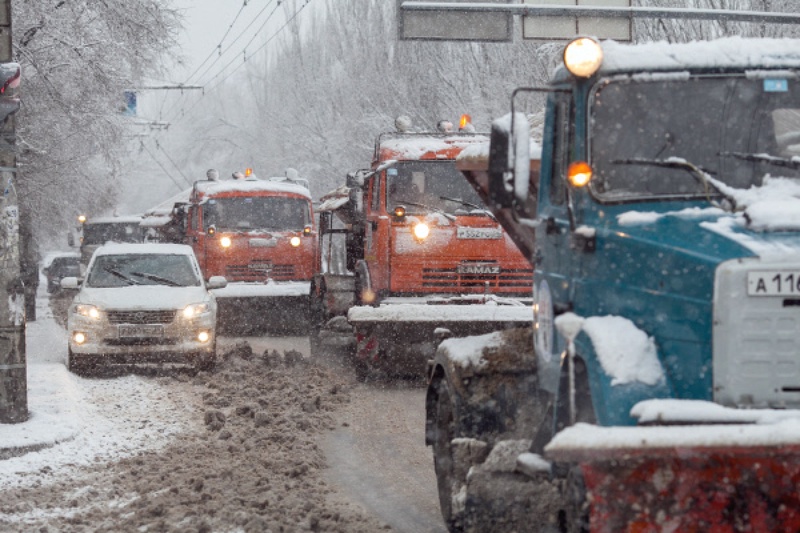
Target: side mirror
[
  {"x": 70, "y": 240},
  {"x": 70, "y": 283},
  {"x": 509, "y": 160},
  {"x": 217, "y": 282}
]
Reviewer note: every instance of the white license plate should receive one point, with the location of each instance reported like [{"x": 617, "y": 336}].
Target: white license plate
[
  {"x": 773, "y": 283},
  {"x": 478, "y": 269},
  {"x": 479, "y": 233},
  {"x": 141, "y": 330}
]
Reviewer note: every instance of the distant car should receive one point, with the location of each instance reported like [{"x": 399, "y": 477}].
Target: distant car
[
  {"x": 142, "y": 303},
  {"x": 59, "y": 267}
]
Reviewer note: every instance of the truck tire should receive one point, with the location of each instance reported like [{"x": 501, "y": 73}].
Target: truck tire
[
  {"x": 444, "y": 433},
  {"x": 576, "y": 511}
]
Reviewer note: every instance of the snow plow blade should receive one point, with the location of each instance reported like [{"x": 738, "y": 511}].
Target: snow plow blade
[
  {"x": 400, "y": 338},
  {"x": 707, "y": 477},
  {"x": 254, "y": 308}
]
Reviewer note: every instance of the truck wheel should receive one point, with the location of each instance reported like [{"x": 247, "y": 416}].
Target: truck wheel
[
  {"x": 443, "y": 456},
  {"x": 361, "y": 369},
  {"x": 576, "y": 512}
]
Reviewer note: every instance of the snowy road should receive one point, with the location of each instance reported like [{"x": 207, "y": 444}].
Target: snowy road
[{"x": 263, "y": 443}]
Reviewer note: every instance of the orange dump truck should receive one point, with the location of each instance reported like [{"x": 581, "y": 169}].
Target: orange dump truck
[
  {"x": 260, "y": 235},
  {"x": 419, "y": 255}
]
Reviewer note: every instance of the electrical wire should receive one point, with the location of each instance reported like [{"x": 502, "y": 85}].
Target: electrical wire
[
  {"x": 178, "y": 185},
  {"x": 271, "y": 38}
]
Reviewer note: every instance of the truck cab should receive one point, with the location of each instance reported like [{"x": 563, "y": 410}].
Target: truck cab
[
  {"x": 667, "y": 188},
  {"x": 426, "y": 230},
  {"x": 260, "y": 235}
]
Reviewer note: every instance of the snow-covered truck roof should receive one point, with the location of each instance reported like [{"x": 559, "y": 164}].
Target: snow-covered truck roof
[
  {"x": 725, "y": 53},
  {"x": 123, "y": 219},
  {"x": 248, "y": 186},
  {"x": 416, "y": 146}
]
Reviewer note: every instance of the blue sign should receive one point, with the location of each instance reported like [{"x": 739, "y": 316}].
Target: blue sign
[
  {"x": 776, "y": 86},
  {"x": 130, "y": 104}
]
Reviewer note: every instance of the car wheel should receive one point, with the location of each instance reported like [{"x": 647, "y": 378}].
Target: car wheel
[
  {"x": 73, "y": 365},
  {"x": 206, "y": 362}
]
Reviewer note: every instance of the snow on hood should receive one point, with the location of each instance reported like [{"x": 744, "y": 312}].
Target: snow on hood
[
  {"x": 624, "y": 351},
  {"x": 772, "y": 207},
  {"x": 730, "y": 52},
  {"x": 142, "y": 297}
]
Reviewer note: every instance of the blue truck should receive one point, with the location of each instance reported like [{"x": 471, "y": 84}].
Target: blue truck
[{"x": 662, "y": 218}]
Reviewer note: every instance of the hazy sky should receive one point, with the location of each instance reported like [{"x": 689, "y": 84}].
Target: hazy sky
[{"x": 205, "y": 23}]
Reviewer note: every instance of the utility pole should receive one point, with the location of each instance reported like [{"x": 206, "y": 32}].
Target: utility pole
[{"x": 13, "y": 365}]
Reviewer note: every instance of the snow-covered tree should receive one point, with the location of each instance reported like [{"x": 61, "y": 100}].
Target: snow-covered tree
[{"x": 77, "y": 60}]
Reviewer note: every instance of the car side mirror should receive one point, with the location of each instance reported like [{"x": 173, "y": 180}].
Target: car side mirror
[
  {"x": 70, "y": 283},
  {"x": 217, "y": 282}
]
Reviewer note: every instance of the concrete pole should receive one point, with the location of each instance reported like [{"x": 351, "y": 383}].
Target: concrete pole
[{"x": 13, "y": 366}]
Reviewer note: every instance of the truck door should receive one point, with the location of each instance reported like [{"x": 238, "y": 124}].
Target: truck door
[
  {"x": 553, "y": 270},
  {"x": 376, "y": 235},
  {"x": 196, "y": 236}
]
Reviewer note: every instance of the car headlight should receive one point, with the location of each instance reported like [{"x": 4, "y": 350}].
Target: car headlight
[
  {"x": 89, "y": 311},
  {"x": 193, "y": 310}
]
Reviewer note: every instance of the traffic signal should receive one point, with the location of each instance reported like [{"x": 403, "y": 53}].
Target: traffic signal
[{"x": 10, "y": 74}]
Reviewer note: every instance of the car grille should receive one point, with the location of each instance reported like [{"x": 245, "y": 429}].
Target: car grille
[
  {"x": 450, "y": 279},
  {"x": 141, "y": 341},
  {"x": 161, "y": 316}
]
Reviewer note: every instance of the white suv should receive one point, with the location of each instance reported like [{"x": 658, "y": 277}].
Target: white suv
[{"x": 142, "y": 303}]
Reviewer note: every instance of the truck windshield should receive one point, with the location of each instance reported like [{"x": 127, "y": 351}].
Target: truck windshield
[
  {"x": 423, "y": 186},
  {"x": 737, "y": 129},
  {"x": 272, "y": 213},
  {"x": 101, "y": 233}
]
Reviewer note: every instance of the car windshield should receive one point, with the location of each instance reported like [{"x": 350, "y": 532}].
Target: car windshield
[
  {"x": 100, "y": 233},
  {"x": 274, "y": 213},
  {"x": 423, "y": 186},
  {"x": 734, "y": 128},
  {"x": 124, "y": 270},
  {"x": 66, "y": 266}
]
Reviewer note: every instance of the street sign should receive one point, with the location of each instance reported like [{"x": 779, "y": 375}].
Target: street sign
[
  {"x": 453, "y": 25},
  {"x": 567, "y": 27}
]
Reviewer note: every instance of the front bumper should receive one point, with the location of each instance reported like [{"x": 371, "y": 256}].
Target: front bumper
[{"x": 177, "y": 342}]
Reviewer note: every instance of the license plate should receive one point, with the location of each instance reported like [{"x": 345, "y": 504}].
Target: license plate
[
  {"x": 478, "y": 233},
  {"x": 260, "y": 267},
  {"x": 773, "y": 283},
  {"x": 141, "y": 330},
  {"x": 478, "y": 269}
]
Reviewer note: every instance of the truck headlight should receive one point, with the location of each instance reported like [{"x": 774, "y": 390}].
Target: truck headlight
[
  {"x": 421, "y": 231},
  {"x": 79, "y": 337},
  {"x": 194, "y": 310},
  {"x": 583, "y": 57},
  {"x": 89, "y": 311},
  {"x": 295, "y": 241},
  {"x": 225, "y": 242}
]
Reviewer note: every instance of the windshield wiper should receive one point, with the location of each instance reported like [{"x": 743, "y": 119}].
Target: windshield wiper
[
  {"x": 469, "y": 204},
  {"x": 701, "y": 175},
  {"x": 121, "y": 276},
  {"x": 784, "y": 162},
  {"x": 441, "y": 212},
  {"x": 157, "y": 279}
]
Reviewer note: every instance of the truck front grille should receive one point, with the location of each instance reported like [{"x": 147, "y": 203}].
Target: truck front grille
[
  {"x": 259, "y": 271},
  {"x": 448, "y": 278},
  {"x": 161, "y": 316}
]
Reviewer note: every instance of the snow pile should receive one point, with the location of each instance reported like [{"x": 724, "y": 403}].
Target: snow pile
[
  {"x": 467, "y": 352},
  {"x": 699, "y": 411},
  {"x": 625, "y": 352}
]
